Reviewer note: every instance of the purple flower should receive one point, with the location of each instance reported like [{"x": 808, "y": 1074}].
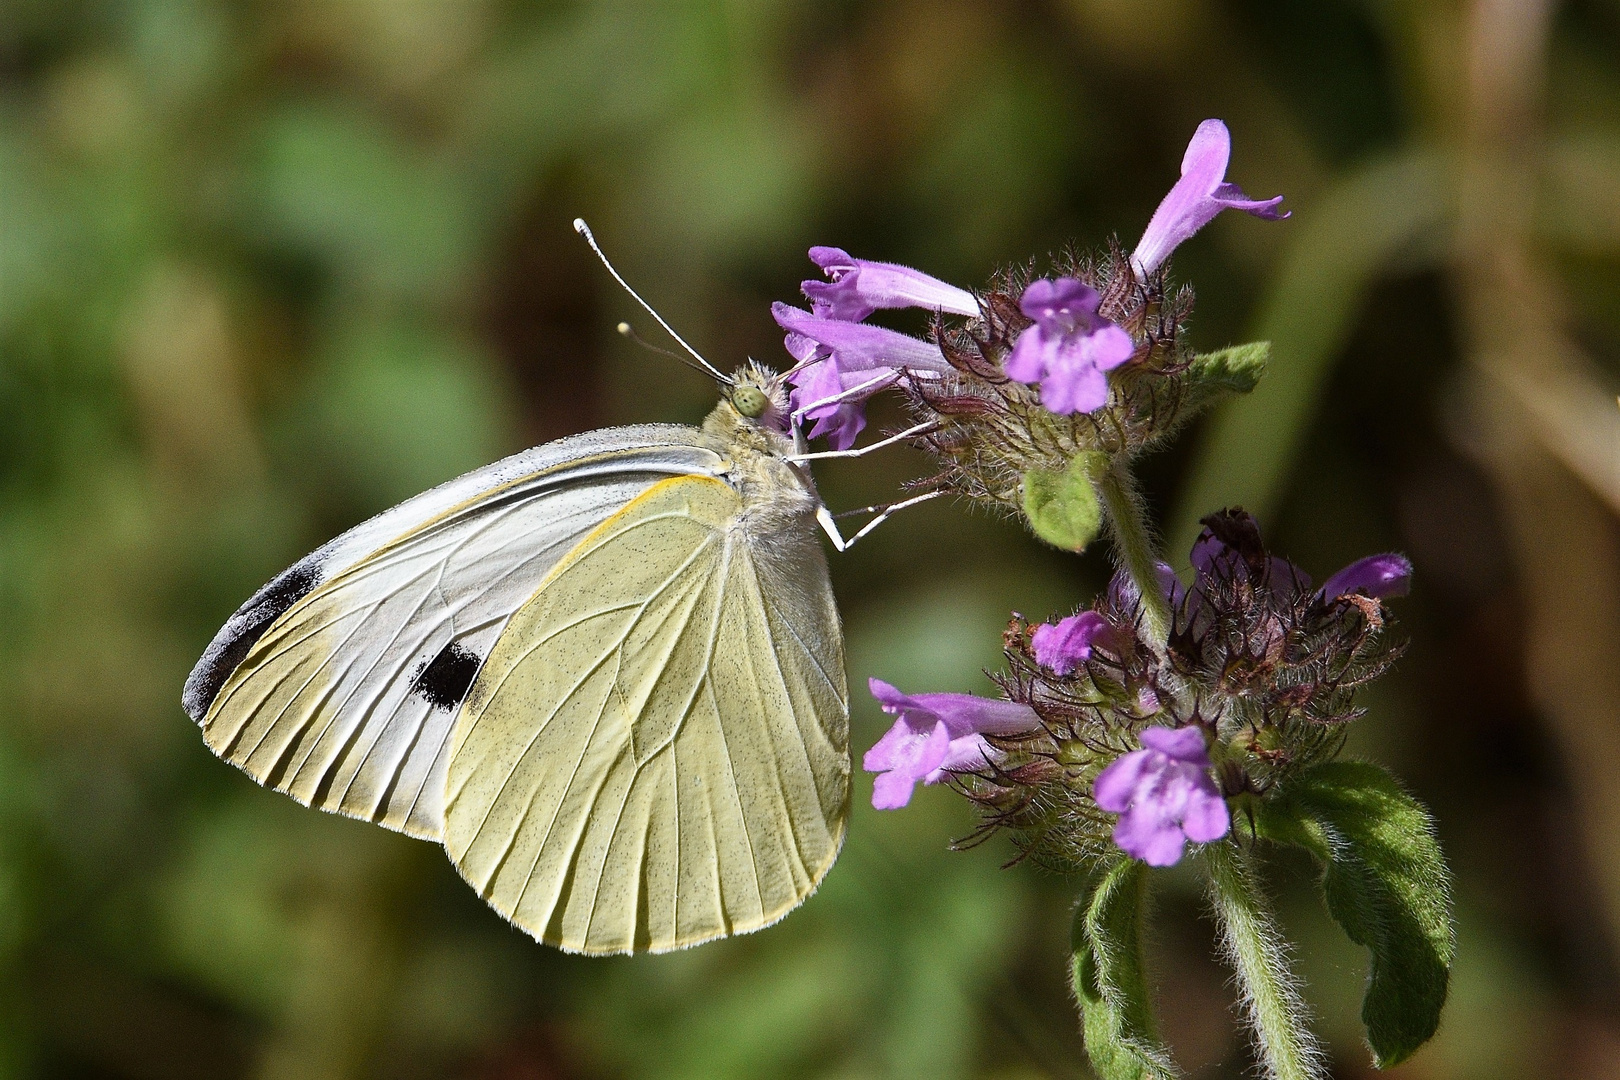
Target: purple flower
[
  {"x": 833, "y": 399},
  {"x": 1123, "y": 594},
  {"x": 857, "y": 287},
  {"x": 1164, "y": 795},
  {"x": 1066, "y": 645},
  {"x": 1377, "y": 575},
  {"x": 1200, "y": 194},
  {"x": 936, "y": 734},
  {"x": 1214, "y": 560},
  {"x": 1069, "y": 347},
  {"x": 858, "y": 347},
  {"x": 857, "y": 361}
]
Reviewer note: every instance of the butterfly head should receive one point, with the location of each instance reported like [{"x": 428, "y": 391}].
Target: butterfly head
[
  {"x": 753, "y": 411},
  {"x": 759, "y": 397}
]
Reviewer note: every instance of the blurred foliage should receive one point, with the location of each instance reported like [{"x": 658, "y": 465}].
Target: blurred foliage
[{"x": 267, "y": 267}]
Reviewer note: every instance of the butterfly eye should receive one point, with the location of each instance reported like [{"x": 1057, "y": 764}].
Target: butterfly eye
[{"x": 750, "y": 401}]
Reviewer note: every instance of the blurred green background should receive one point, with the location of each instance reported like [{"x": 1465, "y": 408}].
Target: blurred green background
[{"x": 269, "y": 267}]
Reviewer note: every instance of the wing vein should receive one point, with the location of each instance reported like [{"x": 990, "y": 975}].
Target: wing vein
[
  {"x": 615, "y": 647},
  {"x": 753, "y": 856}
]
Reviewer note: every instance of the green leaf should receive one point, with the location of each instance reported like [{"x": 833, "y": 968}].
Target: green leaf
[
  {"x": 1235, "y": 369},
  {"x": 1062, "y": 507},
  {"x": 1110, "y": 982},
  {"x": 1230, "y": 372},
  {"x": 1385, "y": 882}
]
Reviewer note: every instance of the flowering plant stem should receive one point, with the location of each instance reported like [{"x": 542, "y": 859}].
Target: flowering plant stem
[
  {"x": 1106, "y": 754},
  {"x": 1135, "y": 548},
  {"x": 1254, "y": 947}
]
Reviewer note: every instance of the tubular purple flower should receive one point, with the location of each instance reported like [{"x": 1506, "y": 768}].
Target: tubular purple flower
[
  {"x": 1196, "y": 199},
  {"x": 1066, "y": 645},
  {"x": 816, "y": 394},
  {"x": 1377, "y": 575},
  {"x": 936, "y": 734},
  {"x": 801, "y": 348},
  {"x": 858, "y": 361},
  {"x": 857, "y": 287},
  {"x": 1069, "y": 347},
  {"x": 834, "y": 400},
  {"x": 1164, "y": 795},
  {"x": 858, "y": 347}
]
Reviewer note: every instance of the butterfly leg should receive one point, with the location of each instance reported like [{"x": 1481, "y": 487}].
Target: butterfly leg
[
  {"x": 824, "y": 518},
  {"x": 854, "y": 452},
  {"x": 865, "y": 389},
  {"x": 830, "y": 526}
]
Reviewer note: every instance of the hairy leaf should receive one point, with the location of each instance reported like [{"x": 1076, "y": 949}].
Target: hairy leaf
[
  {"x": 1062, "y": 507},
  {"x": 1386, "y": 883},
  {"x": 1235, "y": 369},
  {"x": 1109, "y": 979}
]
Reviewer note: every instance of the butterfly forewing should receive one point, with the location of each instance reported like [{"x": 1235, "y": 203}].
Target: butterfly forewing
[
  {"x": 655, "y": 752},
  {"x": 340, "y": 682}
]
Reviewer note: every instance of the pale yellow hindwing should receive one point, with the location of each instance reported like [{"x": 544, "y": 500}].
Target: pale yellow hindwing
[{"x": 655, "y": 753}]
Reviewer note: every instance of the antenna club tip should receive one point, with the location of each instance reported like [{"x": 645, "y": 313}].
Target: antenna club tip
[
  {"x": 581, "y": 228},
  {"x": 626, "y": 329}
]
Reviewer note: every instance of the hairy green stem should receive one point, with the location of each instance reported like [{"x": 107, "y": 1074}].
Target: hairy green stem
[
  {"x": 1134, "y": 544},
  {"x": 1254, "y": 947}
]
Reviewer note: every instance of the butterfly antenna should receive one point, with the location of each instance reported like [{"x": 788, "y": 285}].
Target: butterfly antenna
[
  {"x": 626, "y": 330},
  {"x": 585, "y": 231},
  {"x": 814, "y": 358}
]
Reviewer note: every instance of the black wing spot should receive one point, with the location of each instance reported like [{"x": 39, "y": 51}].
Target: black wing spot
[
  {"x": 230, "y": 646},
  {"x": 445, "y": 680}
]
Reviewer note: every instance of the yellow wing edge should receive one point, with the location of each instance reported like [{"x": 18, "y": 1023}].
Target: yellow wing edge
[{"x": 243, "y": 669}]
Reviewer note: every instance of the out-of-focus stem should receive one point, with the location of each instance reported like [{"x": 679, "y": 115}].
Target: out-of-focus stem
[
  {"x": 1526, "y": 405},
  {"x": 1134, "y": 547},
  {"x": 1254, "y": 947}
]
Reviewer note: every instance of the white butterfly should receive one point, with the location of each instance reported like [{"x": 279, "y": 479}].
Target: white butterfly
[{"x": 606, "y": 673}]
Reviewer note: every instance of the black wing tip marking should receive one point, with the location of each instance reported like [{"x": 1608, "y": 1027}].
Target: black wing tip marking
[
  {"x": 443, "y": 682},
  {"x": 230, "y": 646}
]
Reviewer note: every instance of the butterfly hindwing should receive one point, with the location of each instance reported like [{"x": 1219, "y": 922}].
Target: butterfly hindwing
[
  {"x": 340, "y": 681},
  {"x": 655, "y": 752}
]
